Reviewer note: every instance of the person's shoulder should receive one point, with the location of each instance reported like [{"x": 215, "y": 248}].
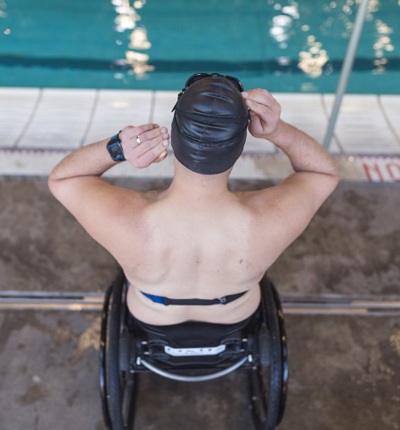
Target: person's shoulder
[{"x": 258, "y": 196}]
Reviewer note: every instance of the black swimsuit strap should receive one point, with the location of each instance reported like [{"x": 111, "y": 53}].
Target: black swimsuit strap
[{"x": 193, "y": 302}]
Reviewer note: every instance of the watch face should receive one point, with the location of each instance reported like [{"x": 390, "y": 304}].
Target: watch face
[{"x": 115, "y": 149}]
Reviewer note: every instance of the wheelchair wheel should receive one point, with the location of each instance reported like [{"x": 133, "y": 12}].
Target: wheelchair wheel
[
  {"x": 117, "y": 384},
  {"x": 269, "y": 376}
]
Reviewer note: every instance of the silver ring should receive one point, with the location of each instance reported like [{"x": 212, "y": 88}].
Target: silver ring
[{"x": 138, "y": 141}]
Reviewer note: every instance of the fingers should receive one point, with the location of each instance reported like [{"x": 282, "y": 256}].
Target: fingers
[
  {"x": 261, "y": 101},
  {"x": 146, "y": 131},
  {"x": 145, "y": 144},
  {"x": 259, "y": 95},
  {"x": 161, "y": 157},
  {"x": 257, "y": 108},
  {"x": 264, "y": 112}
]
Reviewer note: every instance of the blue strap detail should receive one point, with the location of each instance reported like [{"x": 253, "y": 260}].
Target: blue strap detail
[{"x": 155, "y": 299}]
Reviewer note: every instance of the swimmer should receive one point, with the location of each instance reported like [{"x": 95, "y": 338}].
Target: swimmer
[{"x": 197, "y": 251}]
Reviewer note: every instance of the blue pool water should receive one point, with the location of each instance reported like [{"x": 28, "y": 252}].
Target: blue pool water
[{"x": 285, "y": 46}]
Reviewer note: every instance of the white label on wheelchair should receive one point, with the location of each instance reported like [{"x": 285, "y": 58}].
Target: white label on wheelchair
[{"x": 183, "y": 352}]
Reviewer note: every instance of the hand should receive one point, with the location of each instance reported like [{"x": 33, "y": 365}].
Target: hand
[
  {"x": 265, "y": 112},
  {"x": 145, "y": 144}
]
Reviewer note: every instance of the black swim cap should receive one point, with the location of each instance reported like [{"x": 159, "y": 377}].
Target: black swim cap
[{"x": 209, "y": 127}]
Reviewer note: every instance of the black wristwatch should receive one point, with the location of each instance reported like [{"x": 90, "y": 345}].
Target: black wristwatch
[{"x": 115, "y": 150}]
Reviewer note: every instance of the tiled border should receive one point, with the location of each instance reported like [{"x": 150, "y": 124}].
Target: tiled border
[{"x": 39, "y": 126}]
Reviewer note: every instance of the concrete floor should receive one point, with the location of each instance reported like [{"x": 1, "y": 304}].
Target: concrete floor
[{"x": 345, "y": 370}]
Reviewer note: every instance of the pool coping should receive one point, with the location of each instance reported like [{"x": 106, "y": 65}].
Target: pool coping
[{"x": 41, "y": 125}]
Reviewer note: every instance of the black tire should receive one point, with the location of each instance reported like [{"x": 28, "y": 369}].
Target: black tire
[
  {"x": 102, "y": 358},
  {"x": 284, "y": 354},
  {"x": 268, "y": 382},
  {"x": 120, "y": 384}
]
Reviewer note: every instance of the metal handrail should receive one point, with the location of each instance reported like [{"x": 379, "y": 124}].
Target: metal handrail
[{"x": 346, "y": 70}]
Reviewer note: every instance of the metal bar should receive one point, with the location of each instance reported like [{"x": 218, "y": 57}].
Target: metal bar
[
  {"x": 346, "y": 70},
  {"x": 292, "y": 305},
  {"x": 188, "y": 378},
  {"x": 50, "y": 294},
  {"x": 52, "y": 300}
]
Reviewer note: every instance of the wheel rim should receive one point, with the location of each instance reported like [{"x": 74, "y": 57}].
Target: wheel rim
[
  {"x": 102, "y": 359},
  {"x": 269, "y": 384},
  {"x": 120, "y": 384}
]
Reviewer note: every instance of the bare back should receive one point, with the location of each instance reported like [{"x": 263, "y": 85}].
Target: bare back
[{"x": 180, "y": 249}]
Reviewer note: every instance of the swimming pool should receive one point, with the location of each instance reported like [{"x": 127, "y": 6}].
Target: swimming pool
[{"x": 285, "y": 46}]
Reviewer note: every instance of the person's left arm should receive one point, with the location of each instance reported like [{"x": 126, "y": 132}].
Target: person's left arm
[{"x": 77, "y": 184}]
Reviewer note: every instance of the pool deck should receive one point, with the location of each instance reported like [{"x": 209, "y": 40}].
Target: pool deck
[
  {"x": 41, "y": 125},
  {"x": 344, "y": 362}
]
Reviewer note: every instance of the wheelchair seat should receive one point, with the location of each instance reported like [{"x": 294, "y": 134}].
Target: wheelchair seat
[
  {"x": 194, "y": 343},
  {"x": 190, "y": 352}
]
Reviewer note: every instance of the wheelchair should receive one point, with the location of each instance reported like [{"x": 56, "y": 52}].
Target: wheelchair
[{"x": 190, "y": 352}]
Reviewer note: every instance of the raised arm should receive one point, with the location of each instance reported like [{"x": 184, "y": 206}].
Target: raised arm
[
  {"x": 294, "y": 201},
  {"x": 304, "y": 152},
  {"x": 94, "y": 159},
  {"x": 76, "y": 181}
]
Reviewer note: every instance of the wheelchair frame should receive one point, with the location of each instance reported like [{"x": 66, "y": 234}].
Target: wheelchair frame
[{"x": 126, "y": 351}]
